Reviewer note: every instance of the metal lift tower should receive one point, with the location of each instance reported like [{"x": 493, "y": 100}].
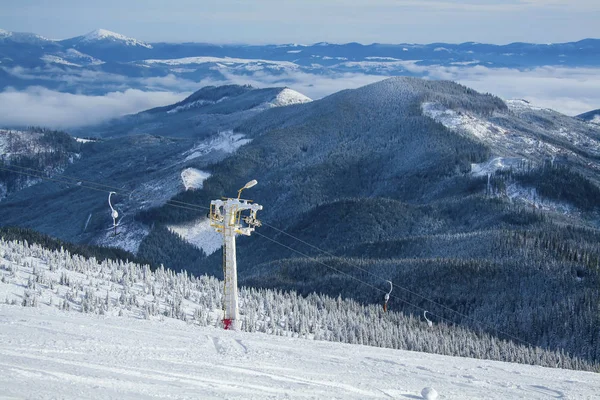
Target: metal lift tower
[{"x": 226, "y": 217}]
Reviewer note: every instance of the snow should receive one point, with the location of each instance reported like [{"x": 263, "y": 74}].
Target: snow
[
  {"x": 193, "y": 178},
  {"x": 57, "y": 60},
  {"x": 200, "y": 234},
  {"x": 463, "y": 121},
  {"x": 382, "y": 58},
  {"x": 226, "y": 142},
  {"x": 505, "y": 141},
  {"x": 121, "y": 353},
  {"x": 496, "y": 164},
  {"x": 46, "y": 353},
  {"x": 5, "y": 34},
  {"x": 129, "y": 237},
  {"x": 521, "y": 105},
  {"x": 194, "y": 104},
  {"x": 596, "y": 119},
  {"x": 530, "y": 197},
  {"x": 25, "y": 143},
  {"x": 286, "y": 97},
  {"x": 225, "y": 61},
  {"x": 103, "y": 34},
  {"x": 89, "y": 60},
  {"x": 82, "y": 140},
  {"x": 429, "y": 393},
  {"x": 294, "y": 51}
]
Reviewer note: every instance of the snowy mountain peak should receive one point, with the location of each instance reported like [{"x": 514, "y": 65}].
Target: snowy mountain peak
[
  {"x": 288, "y": 97},
  {"x": 22, "y": 37},
  {"x": 104, "y": 35}
]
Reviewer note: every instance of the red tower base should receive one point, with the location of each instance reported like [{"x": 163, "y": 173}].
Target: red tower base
[{"x": 227, "y": 324}]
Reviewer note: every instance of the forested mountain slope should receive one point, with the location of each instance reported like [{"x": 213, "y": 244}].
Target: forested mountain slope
[
  {"x": 455, "y": 195},
  {"x": 201, "y": 114},
  {"x": 481, "y": 211}
]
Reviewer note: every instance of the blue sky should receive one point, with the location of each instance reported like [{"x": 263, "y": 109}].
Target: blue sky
[{"x": 309, "y": 21}]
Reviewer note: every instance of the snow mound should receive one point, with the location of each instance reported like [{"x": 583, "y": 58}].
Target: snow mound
[
  {"x": 429, "y": 393},
  {"x": 200, "y": 234},
  {"x": 103, "y": 34},
  {"x": 193, "y": 178}
]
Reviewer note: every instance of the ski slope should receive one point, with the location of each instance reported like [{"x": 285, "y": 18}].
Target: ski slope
[{"x": 45, "y": 353}]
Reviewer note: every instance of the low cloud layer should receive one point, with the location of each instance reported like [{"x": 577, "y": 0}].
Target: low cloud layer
[
  {"x": 568, "y": 90},
  {"x": 571, "y": 91},
  {"x": 43, "y": 107}
]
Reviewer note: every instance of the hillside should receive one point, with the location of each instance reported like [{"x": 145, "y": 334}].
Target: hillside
[
  {"x": 126, "y": 328},
  {"x": 206, "y": 111},
  {"x": 592, "y": 116},
  {"x": 80, "y": 355},
  {"x": 482, "y": 211},
  {"x": 393, "y": 178}
]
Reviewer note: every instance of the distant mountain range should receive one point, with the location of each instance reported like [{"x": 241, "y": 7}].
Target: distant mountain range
[{"x": 103, "y": 61}]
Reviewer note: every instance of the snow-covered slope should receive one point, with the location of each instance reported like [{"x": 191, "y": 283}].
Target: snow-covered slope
[
  {"x": 48, "y": 353},
  {"x": 105, "y": 35},
  {"x": 522, "y": 137},
  {"x": 193, "y": 178},
  {"x": 288, "y": 97},
  {"x": 23, "y": 37},
  {"x": 225, "y": 61},
  {"x": 117, "y": 330},
  {"x": 200, "y": 234}
]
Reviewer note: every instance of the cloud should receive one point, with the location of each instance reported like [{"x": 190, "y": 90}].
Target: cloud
[
  {"x": 44, "y": 107},
  {"x": 571, "y": 91}
]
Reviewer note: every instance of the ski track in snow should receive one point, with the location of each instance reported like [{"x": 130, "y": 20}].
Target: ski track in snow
[{"x": 46, "y": 352}]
